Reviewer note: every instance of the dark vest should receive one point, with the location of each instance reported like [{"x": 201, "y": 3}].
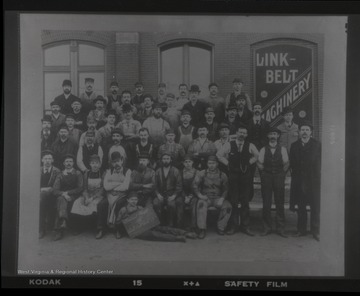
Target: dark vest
[
  {"x": 273, "y": 164},
  {"x": 45, "y": 178},
  {"x": 239, "y": 161},
  {"x": 87, "y": 153}
]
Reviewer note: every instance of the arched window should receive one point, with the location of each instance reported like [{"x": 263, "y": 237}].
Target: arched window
[
  {"x": 74, "y": 60},
  {"x": 189, "y": 62}
]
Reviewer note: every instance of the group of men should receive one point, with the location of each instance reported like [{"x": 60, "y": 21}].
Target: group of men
[{"x": 179, "y": 155}]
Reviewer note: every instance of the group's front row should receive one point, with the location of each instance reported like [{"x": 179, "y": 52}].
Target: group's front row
[{"x": 181, "y": 198}]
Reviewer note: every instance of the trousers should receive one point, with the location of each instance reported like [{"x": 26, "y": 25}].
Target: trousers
[{"x": 170, "y": 213}]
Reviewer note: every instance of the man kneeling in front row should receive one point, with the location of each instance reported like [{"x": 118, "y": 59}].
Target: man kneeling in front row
[{"x": 211, "y": 187}]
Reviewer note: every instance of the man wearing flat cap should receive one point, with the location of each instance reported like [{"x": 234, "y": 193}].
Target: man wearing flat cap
[
  {"x": 289, "y": 129},
  {"x": 168, "y": 199},
  {"x": 211, "y": 124},
  {"x": 67, "y": 187},
  {"x": 143, "y": 180},
  {"x": 62, "y": 146},
  {"x": 216, "y": 102},
  {"x": 195, "y": 106},
  {"x": 125, "y": 100},
  {"x": 243, "y": 112},
  {"x": 273, "y": 163},
  {"x": 161, "y": 93},
  {"x": 237, "y": 93},
  {"x": 47, "y": 134},
  {"x": 211, "y": 188},
  {"x": 186, "y": 132},
  {"x": 86, "y": 151},
  {"x": 176, "y": 151},
  {"x": 47, "y": 198},
  {"x": 88, "y": 96},
  {"x": 305, "y": 164},
  {"x": 113, "y": 98},
  {"x": 66, "y": 99},
  {"x": 56, "y": 116}
]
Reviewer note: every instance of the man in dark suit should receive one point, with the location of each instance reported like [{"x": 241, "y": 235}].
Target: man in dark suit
[
  {"x": 114, "y": 98},
  {"x": 67, "y": 98},
  {"x": 305, "y": 163},
  {"x": 47, "y": 198},
  {"x": 195, "y": 106},
  {"x": 47, "y": 134}
]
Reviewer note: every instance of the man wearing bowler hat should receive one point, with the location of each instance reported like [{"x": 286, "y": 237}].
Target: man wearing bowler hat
[
  {"x": 88, "y": 96},
  {"x": 67, "y": 98},
  {"x": 211, "y": 188},
  {"x": 99, "y": 112},
  {"x": 80, "y": 114},
  {"x": 195, "y": 106},
  {"x": 273, "y": 162},
  {"x": 47, "y": 198},
  {"x": 305, "y": 164},
  {"x": 113, "y": 98},
  {"x": 138, "y": 98},
  {"x": 67, "y": 187},
  {"x": 237, "y": 93},
  {"x": 232, "y": 120},
  {"x": 211, "y": 124}
]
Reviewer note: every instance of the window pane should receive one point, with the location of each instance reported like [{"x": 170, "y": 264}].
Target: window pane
[
  {"x": 53, "y": 86},
  {"x": 57, "y": 55},
  {"x": 172, "y": 68},
  {"x": 200, "y": 68},
  {"x": 98, "y": 82},
  {"x": 90, "y": 55}
]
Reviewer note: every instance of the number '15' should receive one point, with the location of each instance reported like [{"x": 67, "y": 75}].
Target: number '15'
[{"x": 137, "y": 283}]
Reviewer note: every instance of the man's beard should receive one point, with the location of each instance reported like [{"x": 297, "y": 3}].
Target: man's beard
[
  {"x": 272, "y": 140},
  {"x": 157, "y": 115},
  {"x": 241, "y": 107},
  {"x": 66, "y": 91},
  {"x": 166, "y": 164},
  {"x": 114, "y": 92},
  {"x": 63, "y": 138},
  {"x": 183, "y": 93},
  {"x": 241, "y": 138},
  {"x": 141, "y": 167},
  {"x": 257, "y": 113}
]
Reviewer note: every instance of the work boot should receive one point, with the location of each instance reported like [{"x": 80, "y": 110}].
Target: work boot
[
  {"x": 266, "y": 232},
  {"x": 220, "y": 232},
  {"x": 118, "y": 234},
  {"x": 282, "y": 233},
  {"x": 299, "y": 234},
  {"x": 230, "y": 231},
  {"x": 191, "y": 235},
  {"x": 58, "y": 235},
  {"x": 202, "y": 234},
  {"x": 247, "y": 231},
  {"x": 99, "y": 234}
]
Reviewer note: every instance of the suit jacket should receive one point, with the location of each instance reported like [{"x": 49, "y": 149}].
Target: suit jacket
[
  {"x": 305, "y": 164},
  {"x": 170, "y": 185},
  {"x": 258, "y": 135},
  {"x": 54, "y": 173},
  {"x": 65, "y": 104}
]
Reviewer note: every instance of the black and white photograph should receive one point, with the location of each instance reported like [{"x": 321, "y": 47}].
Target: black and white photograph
[{"x": 182, "y": 145}]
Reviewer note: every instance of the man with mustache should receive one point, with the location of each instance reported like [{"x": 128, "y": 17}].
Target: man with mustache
[
  {"x": 143, "y": 181},
  {"x": 105, "y": 131},
  {"x": 80, "y": 114},
  {"x": 305, "y": 164},
  {"x": 161, "y": 97},
  {"x": 232, "y": 121},
  {"x": 147, "y": 110},
  {"x": 237, "y": 93},
  {"x": 186, "y": 133},
  {"x": 99, "y": 112},
  {"x": 273, "y": 162},
  {"x": 168, "y": 201},
  {"x": 114, "y": 99},
  {"x": 74, "y": 133},
  {"x": 289, "y": 129},
  {"x": 211, "y": 188},
  {"x": 156, "y": 126},
  {"x": 212, "y": 125},
  {"x": 67, "y": 187},
  {"x": 63, "y": 146},
  {"x": 176, "y": 151},
  {"x": 243, "y": 113},
  {"x": 138, "y": 98},
  {"x": 47, "y": 198},
  {"x": 216, "y": 102},
  {"x": 183, "y": 97},
  {"x": 195, "y": 106},
  {"x": 238, "y": 157},
  {"x": 125, "y": 100},
  {"x": 88, "y": 96},
  {"x": 57, "y": 118},
  {"x": 67, "y": 98},
  {"x": 47, "y": 135},
  {"x": 145, "y": 147},
  {"x": 116, "y": 184},
  {"x": 201, "y": 148},
  {"x": 115, "y": 145},
  {"x": 91, "y": 126}
]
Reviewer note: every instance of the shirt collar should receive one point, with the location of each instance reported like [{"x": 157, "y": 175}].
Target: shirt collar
[{"x": 47, "y": 169}]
